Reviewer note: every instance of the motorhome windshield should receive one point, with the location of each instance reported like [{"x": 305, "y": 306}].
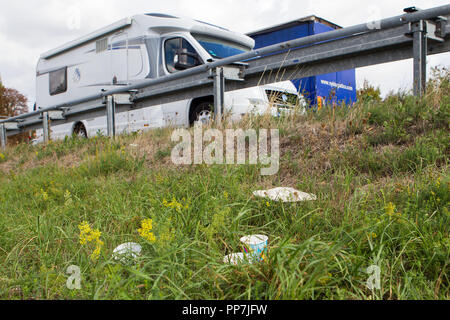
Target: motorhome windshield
[{"x": 218, "y": 48}]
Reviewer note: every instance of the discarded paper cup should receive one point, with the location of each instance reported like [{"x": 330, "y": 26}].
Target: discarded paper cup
[
  {"x": 256, "y": 246},
  {"x": 235, "y": 258}
]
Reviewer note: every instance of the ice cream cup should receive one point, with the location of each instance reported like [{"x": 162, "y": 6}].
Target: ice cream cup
[{"x": 255, "y": 246}]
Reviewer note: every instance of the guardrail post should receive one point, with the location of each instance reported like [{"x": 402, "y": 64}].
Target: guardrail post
[
  {"x": 2, "y": 136},
  {"x": 46, "y": 126},
  {"x": 420, "y": 57},
  {"x": 219, "y": 94},
  {"x": 111, "y": 116}
]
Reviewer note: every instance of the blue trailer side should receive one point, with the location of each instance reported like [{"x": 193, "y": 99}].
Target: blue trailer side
[{"x": 332, "y": 88}]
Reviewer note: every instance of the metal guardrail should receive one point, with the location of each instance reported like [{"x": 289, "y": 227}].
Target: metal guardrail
[{"x": 415, "y": 34}]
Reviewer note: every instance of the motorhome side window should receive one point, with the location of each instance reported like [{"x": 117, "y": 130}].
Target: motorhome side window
[
  {"x": 180, "y": 55},
  {"x": 58, "y": 81}
]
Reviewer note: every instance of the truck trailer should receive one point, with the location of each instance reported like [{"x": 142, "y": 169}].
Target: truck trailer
[{"x": 333, "y": 88}]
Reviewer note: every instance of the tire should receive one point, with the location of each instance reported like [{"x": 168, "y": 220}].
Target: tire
[
  {"x": 80, "y": 131},
  {"x": 202, "y": 112}
]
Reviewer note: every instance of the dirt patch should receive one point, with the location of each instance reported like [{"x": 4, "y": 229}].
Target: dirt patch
[
  {"x": 67, "y": 161},
  {"x": 396, "y": 184}
]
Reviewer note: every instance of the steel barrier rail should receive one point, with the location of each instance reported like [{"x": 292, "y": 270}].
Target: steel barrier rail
[
  {"x": 398, "y": 38},
  {"x": 343, "y": 54},
  {"x": 347, "y": 55},
  {"x": 310, "y": 40}
]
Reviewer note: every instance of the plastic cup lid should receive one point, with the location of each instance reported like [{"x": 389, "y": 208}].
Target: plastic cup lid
[
  {"x": 234, "y": 258},
  {"x": 130, "y": 248}
]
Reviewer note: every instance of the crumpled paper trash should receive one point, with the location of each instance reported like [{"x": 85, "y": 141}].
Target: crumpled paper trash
[
  {"x": 127, "y": 252},
  {"x": 235, "y": 259},
  {"x": 285, "y": 195}
]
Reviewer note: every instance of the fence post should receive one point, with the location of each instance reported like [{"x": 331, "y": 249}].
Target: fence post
[
  {"x": 46, "y": 126},
  {"x": 219, "y": 94},
  {"x": 111, "y": 116},
  {"x": 420, "y": 57},
  {"x": 3, "y": 136}
]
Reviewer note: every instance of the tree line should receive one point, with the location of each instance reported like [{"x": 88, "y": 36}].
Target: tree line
[{"x": 13, "y": 103}]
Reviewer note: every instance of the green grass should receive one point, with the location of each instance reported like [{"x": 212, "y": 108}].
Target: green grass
[{"x": 379, "y": 169}]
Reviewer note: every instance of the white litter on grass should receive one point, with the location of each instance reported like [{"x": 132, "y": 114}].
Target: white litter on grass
[
  {"x": 236, "y": 259},
  {"x": 134, "y": 145},
  {"x": 256, "y": 246},
  {"x": 285, "y": 195},
  {"x": 126, "y": 252}
]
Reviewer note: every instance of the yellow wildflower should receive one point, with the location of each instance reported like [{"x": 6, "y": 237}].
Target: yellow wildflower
[
  {"x": 323, "y": 281},
  {"x": 44, "y": 195},
  {"x": 89, "y": 235},
  {"x": 2, "y": 156},
  {"x": 96, "y": 254},
  {"x": 166, "y": 234},
  {"x": 68, "y": 198},
  {"x": 146, "y": 230},
  {"x": 85, "y": 229},
  {"x": 176, "y": 205},
  {"x": 390, "y": 211}
]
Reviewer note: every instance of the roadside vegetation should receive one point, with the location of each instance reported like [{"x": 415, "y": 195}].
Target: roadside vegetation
[{"x": 379, "y": 169}]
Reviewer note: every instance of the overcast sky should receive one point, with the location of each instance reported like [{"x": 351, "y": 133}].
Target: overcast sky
[{"x": 31, "y": 27}]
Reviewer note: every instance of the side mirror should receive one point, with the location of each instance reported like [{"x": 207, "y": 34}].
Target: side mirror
[{"x": 180, "y": 59}]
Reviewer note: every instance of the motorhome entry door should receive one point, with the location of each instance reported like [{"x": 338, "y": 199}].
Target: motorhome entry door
[{"x": 119, "y": 59}]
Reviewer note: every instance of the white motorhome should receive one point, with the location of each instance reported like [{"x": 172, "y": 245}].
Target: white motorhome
[{"x": 142, "y": 47}]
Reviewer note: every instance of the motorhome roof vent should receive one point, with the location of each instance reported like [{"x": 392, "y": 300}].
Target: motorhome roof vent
[
  {"x": 101, "y": 45},
  {"x": 161, "y": 15}
]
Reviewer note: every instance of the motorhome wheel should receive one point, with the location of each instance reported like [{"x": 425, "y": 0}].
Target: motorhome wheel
[
  {"x": 202, "y": 113},
  {"x": 80, "y": 131}
]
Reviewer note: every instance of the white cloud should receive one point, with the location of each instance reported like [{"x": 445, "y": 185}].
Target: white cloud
[{"x": 30, "y": 27}]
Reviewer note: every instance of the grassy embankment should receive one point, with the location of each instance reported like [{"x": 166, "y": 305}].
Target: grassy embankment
[{"x": 380, "y": 171}]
